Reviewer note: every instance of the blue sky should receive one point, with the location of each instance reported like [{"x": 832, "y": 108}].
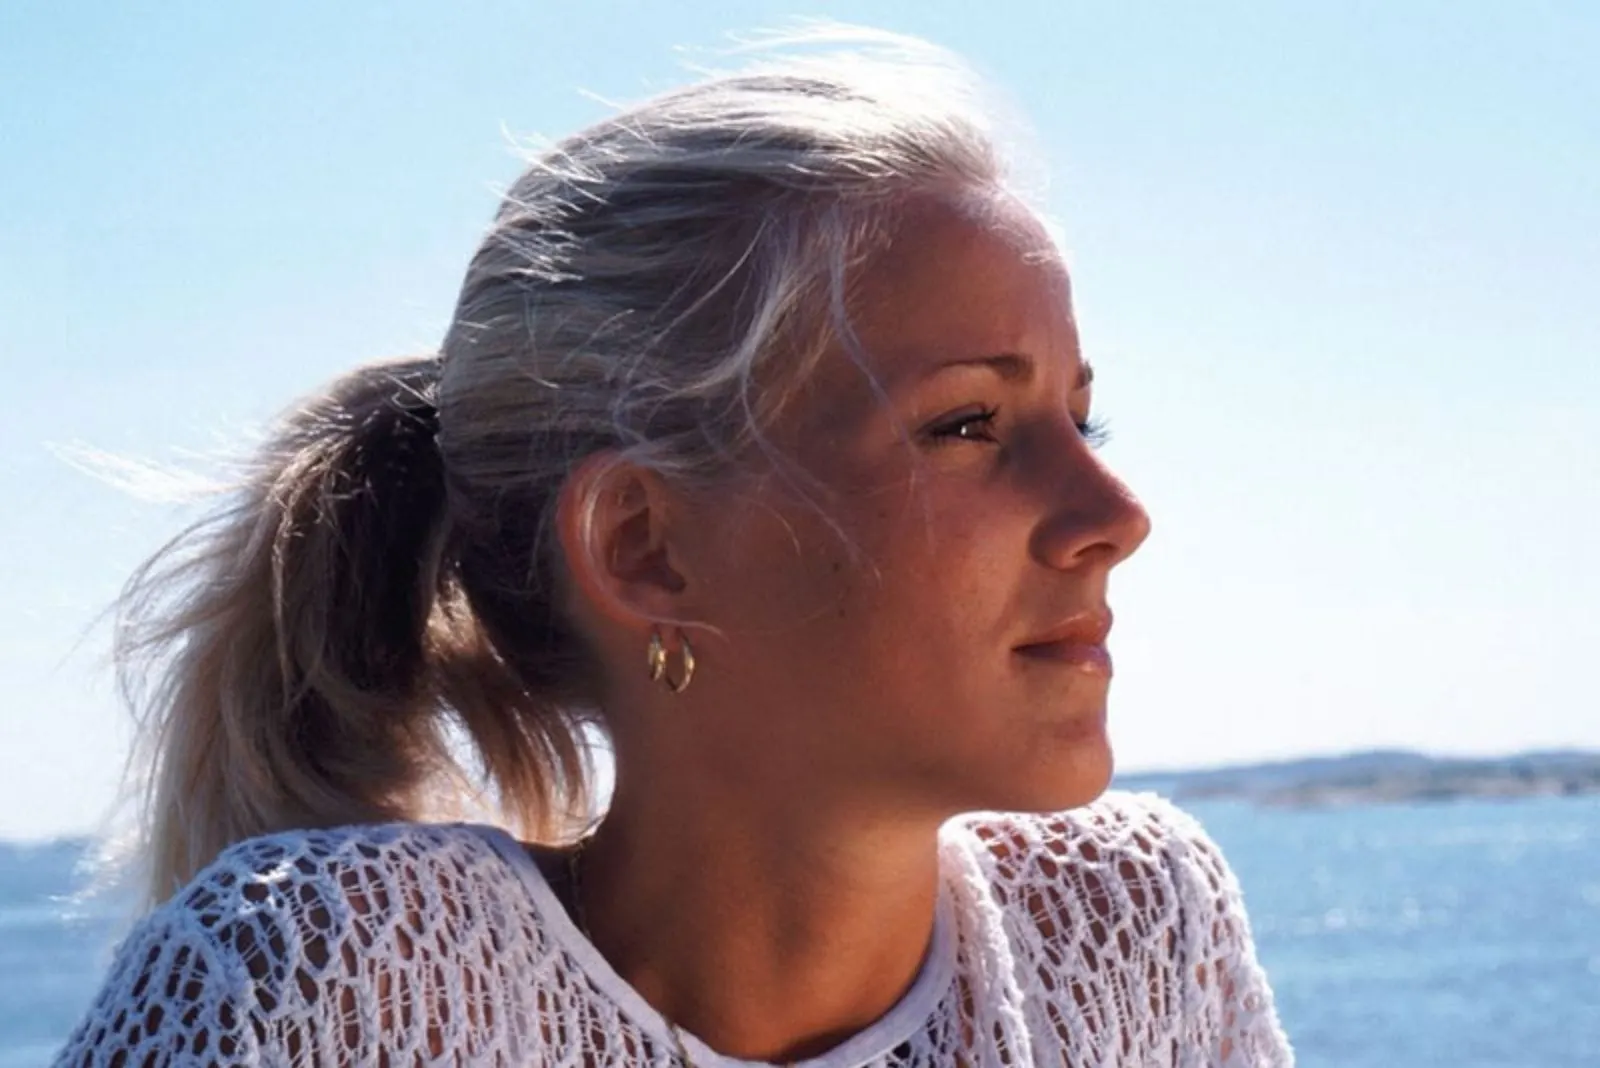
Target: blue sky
[{"x": 1338, "y": 267}]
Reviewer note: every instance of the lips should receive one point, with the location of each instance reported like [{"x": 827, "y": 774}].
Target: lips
[{"x": 1079, "y": 642}]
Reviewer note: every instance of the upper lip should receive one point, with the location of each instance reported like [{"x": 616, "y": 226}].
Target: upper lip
[{"x": 1089, "y": 627}]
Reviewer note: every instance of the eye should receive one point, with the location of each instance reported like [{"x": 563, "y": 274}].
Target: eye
[
  {"x": 1094, "y": 430},
  {"x": 967, "y": 426}
]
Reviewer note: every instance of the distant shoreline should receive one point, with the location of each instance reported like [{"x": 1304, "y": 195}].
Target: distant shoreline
[{"x": 1382, "y": 777}]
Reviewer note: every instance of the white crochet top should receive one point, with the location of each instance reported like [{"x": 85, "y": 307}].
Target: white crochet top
[{"x": 1110, "y": 935}]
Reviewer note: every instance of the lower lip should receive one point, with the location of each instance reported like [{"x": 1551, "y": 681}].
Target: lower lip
[{"x": 1086, "y": 657}]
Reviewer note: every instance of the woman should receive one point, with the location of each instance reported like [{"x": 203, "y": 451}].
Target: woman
[{"x": 761, "y": 441}]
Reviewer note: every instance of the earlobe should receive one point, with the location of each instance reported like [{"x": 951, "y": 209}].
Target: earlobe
[{"x": 613, "y": 520}]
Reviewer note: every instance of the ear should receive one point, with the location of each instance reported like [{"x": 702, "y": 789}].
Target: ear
[{"x": 614, "y": 520}]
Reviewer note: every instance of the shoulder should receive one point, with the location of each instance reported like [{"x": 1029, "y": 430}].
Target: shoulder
[
  {"x": 1125, "y": 858},
  {"x": 292, "y": 941},
  {"x": 302, "y": 907},
  {"x": 1130, "y": 900},
  {"x": 1129, "y": 907},
  {"x": 1136, "y": 832},
  {"x": 343, "y": 856},
  {"x": 295, "y": 868},
  {"x": 323, "y": 882}
]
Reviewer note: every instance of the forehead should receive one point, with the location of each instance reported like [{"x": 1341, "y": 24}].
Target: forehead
[{"x": 961, "y": 278}]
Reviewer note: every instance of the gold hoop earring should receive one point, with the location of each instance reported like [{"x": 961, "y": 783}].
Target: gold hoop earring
[{"x": 656, "y": 659}]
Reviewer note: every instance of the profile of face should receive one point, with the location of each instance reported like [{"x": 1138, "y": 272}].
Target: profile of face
[{"x": 909, "y": 611}]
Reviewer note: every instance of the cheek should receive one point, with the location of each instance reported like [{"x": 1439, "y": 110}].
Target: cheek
[
  {"x": 888, "y": 575},
  {"x": 928, "y": 574},
  {"x": 772, "y": 567}
]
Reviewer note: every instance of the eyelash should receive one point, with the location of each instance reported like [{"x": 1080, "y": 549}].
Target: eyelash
[{"x": 1095, "y": 430}]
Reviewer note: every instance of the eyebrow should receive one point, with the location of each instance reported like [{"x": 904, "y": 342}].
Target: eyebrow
[{"x": 1012, "y": 367}]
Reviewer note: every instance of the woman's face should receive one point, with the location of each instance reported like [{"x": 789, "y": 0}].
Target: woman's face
[{"x": 918, "y": 615}]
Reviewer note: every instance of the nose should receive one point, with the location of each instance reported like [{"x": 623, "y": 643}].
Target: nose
[{"x": 1096, "y": 519}]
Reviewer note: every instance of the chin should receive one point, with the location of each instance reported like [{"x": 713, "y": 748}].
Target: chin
[
  {"x": 1086, "y": 778},
  {"x": 1056, "y": 777}
]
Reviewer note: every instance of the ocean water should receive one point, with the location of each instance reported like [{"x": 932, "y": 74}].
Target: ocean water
[{"x": 1463, "y": 934}]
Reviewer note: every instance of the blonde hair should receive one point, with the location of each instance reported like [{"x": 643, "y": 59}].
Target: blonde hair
[{"x": 384, "y": 576}]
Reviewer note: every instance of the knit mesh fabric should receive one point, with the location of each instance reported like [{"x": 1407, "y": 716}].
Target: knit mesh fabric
[{"x": 1113, "y": 934}]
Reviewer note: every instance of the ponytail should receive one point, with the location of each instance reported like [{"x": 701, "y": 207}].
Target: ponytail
[
  {"x": 308, "y": 644},
  {"x": 376, "y": 593}
]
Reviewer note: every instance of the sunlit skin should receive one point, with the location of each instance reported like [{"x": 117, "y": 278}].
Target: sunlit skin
[{"x": 902, "y": 626}]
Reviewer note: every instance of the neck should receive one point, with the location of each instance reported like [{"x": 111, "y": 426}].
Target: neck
[{"x": 770, "y": 932}]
